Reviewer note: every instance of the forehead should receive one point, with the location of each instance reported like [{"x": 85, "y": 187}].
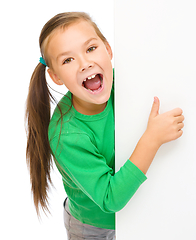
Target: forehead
[{"x": 71, "y": 37}]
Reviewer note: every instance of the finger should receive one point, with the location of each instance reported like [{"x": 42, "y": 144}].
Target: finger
[
  {"x": 180, "y": 119},
  {"x": 177, "y": 112},
  {"x": 155, "y": 107},
  {"x": 179, "y": 134},
  {"x": 180, "y": 126}
]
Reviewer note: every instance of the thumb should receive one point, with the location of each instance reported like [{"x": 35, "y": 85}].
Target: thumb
[{"x": 155, "y": 107}]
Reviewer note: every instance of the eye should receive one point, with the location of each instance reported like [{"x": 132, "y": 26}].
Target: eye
[
  {"x": 91, "y": 49},
  {"x": 68, "y": 60}
]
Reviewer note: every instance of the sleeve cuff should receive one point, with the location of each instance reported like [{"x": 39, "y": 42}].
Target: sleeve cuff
[{"x": 135, "y": 171}]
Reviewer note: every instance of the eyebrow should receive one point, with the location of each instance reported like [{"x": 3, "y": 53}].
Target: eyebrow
[{"x": 69, "y": 52}]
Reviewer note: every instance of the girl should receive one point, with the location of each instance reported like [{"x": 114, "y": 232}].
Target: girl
[{"x": 80, "y": 134}]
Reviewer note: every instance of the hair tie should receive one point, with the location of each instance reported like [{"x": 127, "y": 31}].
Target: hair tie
[{"x": 41, "y": 60}]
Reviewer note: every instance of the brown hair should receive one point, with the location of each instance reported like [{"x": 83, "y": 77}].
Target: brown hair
[{"x": 38, "y": 152}]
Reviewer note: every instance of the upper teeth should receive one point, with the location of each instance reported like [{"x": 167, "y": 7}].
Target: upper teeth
[{"x": 92, "y": 76}]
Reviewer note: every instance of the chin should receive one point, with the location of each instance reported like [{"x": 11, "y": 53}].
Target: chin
[{"x": 102, "y": 100}]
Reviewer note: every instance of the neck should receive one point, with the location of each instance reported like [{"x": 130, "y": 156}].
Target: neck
[{"x": 87, "y": 108}]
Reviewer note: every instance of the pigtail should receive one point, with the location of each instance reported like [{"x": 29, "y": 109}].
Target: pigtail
[{"x": 38, "y": 151}]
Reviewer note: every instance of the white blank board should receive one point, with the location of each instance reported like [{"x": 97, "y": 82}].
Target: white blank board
[{"x": 155, "y": 55}]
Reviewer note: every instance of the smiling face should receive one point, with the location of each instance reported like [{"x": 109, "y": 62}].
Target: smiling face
[{"x": 82, "y": 62}]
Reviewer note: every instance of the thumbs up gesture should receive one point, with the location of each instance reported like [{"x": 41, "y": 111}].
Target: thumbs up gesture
[
  {"x": 164, "y": 127},
  {"x": 161, "y": 128}
]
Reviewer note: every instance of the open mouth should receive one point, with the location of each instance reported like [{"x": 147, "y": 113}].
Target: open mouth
[{"x": 93, "y": 83}]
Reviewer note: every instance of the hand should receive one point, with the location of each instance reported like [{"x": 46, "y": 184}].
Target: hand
[{"x": 164, "y": 127}]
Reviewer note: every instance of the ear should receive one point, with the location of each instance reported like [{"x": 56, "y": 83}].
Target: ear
[
  {"x": 54, "y": 77},
  {"x": 109, "y": 49}
]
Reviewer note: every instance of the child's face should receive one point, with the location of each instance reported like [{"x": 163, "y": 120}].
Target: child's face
[{"x": 77, "y": 53}]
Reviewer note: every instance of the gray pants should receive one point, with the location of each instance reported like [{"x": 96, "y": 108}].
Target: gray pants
[{"x": 79, "y": 231}]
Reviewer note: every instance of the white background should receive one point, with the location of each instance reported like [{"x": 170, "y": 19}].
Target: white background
[
  {"x": 21, "y": 23},
  {"x": 155, "y": 55}
]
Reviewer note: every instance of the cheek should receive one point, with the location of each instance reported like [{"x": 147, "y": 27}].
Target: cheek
[
  {"x": 64, "y": 74},
  {"x": 69, "y": 79},
  {"x": 105, "y": 60},
  {"x": 108, "y": 58}
]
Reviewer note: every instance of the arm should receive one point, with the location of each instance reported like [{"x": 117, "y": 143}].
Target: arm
[
  {"x": 161, "y": 128},
  {"x": 85, "y": 171}
]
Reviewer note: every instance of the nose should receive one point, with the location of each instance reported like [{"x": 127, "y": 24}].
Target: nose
[{"x": 85, "y": 63}]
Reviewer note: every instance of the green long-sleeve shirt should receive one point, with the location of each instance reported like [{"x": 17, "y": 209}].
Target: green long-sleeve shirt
[{"x": 84, "y": 155}]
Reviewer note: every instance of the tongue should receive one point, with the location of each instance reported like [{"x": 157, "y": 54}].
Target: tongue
[{"x": 93, "y": 84}]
